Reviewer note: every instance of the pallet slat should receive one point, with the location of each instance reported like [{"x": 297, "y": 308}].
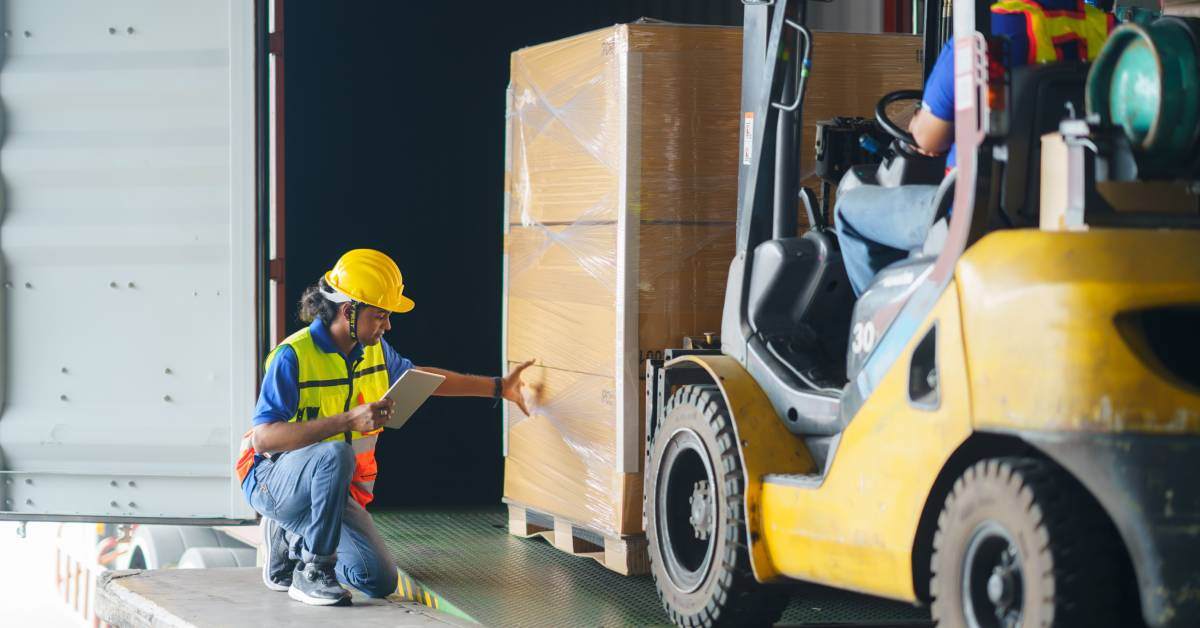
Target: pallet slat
[{"x": 626, "y": 555}]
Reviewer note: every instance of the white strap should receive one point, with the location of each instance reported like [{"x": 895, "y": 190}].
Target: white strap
[{"x": 333, "y": 294}]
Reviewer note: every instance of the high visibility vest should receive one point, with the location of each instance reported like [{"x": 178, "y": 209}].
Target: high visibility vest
[
  {"x": 326, "y": 389},
  {"x": 1049, "y": 30}
]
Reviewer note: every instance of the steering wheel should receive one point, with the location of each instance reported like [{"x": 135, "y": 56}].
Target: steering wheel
[{"x": 901, "y": 135}]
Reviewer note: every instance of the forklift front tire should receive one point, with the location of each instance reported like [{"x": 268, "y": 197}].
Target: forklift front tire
[
  {"x": 1020, "y": 543},
  {"x": 695, "y": 520}
]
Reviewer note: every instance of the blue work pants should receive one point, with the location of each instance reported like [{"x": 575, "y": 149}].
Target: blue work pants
[{"x": 307, "y": 491}]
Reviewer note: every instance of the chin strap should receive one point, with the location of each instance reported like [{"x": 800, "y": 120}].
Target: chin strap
[{"x": 354, "y": 307}]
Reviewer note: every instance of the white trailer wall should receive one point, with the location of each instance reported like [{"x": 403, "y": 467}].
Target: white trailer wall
[{"x": 127, "y": 239}]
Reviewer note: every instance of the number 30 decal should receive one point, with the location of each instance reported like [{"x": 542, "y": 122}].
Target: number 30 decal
[{"x": 864, "y": 337}]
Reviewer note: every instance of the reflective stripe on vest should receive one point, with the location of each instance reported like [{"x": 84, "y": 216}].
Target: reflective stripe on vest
[
  {"x": 1049, "y": 30},
  {"x": 326, "y": 390}
]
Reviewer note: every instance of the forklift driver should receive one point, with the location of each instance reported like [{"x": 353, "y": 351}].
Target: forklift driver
[
  {"x": 308, "y": 463},
  {"x": 877, "y": 226}
]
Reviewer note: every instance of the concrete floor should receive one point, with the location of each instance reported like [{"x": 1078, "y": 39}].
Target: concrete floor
[{"x": 235, "y": 598}]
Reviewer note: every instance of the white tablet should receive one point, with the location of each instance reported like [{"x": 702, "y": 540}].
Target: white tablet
[{"x": 409, "y": 392}]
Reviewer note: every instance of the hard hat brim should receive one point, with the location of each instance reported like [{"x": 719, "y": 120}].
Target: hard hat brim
[
  {"x": 405, "y": 306},
  {"x": 401, "y": 305}
]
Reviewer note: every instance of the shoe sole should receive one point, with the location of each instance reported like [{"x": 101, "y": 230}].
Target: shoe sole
[
  {"x": 271, "y": 585},
  {"x": 300, "y": 596},
  {"x": 266, "y": 578}
]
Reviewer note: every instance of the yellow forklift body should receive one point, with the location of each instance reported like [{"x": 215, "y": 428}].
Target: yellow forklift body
[
  {"x": 856, "y": 530},
  {"x": 1031, "y": 335},
  {"x": 1053, "y": 339}
]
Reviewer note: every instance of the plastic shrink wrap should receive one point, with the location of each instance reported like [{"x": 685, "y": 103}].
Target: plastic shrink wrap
[{"x": 620, "y": 203}]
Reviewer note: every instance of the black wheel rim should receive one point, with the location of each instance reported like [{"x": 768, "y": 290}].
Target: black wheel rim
[
  {"x": 993, "y": 586},
  {"x": 686, "y": 520}
]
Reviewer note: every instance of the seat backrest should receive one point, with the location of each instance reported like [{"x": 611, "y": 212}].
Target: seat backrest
[{"x": 1040, "y": 94}]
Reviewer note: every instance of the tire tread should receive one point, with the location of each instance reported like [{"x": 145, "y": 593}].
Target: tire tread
[
  {"x": 1072, "y": 540},
  {"x": 738, "y": 599}
]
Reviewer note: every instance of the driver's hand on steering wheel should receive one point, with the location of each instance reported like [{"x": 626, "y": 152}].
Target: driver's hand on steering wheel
[{"x": 927, "y": 153}]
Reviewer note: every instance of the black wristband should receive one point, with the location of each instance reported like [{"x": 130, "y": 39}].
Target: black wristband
[{"x": 497, "y": 387}]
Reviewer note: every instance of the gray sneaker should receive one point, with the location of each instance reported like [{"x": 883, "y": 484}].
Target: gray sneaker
[
  {"x": 278, "y": 568},
  {"x": 315, "y": 583}
]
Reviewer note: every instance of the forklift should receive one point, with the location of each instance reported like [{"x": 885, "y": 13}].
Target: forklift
[{"x": 1006, "y": 425}]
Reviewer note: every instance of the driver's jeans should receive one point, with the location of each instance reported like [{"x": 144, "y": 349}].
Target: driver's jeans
[{"x": 878, "y": 226}]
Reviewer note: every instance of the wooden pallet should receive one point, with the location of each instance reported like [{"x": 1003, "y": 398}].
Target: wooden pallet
[{"x": 625, "y": 555}]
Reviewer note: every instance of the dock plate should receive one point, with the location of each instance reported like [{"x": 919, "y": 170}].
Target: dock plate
[{"x": 465, "y": 563}]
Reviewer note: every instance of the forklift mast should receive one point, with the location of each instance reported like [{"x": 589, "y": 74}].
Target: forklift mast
[
  {"x": 938, "y": 29},
  {"x": 767, "y": 55}
]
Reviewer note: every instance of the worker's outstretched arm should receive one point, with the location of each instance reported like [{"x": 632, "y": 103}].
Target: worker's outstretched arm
[
  {"x": 280, "y": 436},
  {"x": 460, "y": 385}
]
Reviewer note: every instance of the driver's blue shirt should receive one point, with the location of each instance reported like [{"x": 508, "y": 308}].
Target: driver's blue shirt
[{"x": 939, "y": 89}]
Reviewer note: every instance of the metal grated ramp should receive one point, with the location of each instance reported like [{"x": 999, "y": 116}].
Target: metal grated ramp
[{"x": 464, "y": 562}]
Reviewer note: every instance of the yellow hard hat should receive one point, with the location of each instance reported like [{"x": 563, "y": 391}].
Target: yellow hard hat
[{"x": 370, "y": 277}]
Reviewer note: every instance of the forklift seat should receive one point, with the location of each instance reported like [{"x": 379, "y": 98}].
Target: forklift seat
[{"x": 1042, "y": 96}]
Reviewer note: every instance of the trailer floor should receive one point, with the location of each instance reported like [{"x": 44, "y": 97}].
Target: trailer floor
[{"x": 465, "y": 563}]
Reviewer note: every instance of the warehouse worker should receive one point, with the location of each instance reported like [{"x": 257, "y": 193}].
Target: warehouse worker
[
  {"x": 877, "y": 226},
  {"x": 308, "y": 463}
]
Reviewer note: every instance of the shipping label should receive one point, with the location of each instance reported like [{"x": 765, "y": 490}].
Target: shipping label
[{"x": 748, "y": 138}]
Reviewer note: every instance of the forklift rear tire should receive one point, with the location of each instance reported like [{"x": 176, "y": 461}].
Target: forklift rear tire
[
  {"x": 695, "y": 520},
  {"x": 1020, "y": 543}
]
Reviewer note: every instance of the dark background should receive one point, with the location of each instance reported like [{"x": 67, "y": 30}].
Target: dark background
[{"x": 395, "y": 140}]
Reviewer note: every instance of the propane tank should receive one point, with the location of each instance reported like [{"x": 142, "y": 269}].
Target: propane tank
[{"x": 1146, "y": 82}]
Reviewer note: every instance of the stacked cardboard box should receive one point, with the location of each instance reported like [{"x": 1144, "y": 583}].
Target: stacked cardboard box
[
  {"x": 621, "y": 185},
  {"x": 621, "y": 206}
]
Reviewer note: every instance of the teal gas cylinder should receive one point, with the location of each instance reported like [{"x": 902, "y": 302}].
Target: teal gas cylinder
[{"x": 1147, "y": 82}]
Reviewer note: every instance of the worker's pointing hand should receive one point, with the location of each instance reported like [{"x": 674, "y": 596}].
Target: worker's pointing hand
[
  {"x": 369, "y": 417},
  {"x": 511, "y": 386}
]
